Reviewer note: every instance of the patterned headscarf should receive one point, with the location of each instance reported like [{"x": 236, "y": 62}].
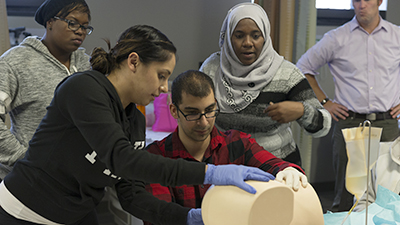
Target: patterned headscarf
[{"x": 237, "y": 85}]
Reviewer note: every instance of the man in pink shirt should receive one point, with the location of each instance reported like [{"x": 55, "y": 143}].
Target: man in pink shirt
[{"x": 364, "y": 58}]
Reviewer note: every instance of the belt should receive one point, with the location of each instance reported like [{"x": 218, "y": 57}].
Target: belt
[{"x": 371, "y": 116}]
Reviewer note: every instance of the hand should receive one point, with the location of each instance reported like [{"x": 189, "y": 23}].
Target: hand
[
  {"x": 285, "y": 112},
  {"x": 235, "y": 175},
  {"x": 395, "y": 111},
  {"x": 336, "y": 110},
  {"x": 292, "y": 178},
  {"x": 194, "y": 217}
]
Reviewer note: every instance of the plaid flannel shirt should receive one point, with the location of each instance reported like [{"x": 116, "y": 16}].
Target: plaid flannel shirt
[{"x": 230, "y": 147}]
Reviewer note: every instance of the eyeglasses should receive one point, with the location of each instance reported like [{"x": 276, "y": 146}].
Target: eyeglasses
[
  {"x": 74, "y": 26},
  {"x": 197, "y": 116}
]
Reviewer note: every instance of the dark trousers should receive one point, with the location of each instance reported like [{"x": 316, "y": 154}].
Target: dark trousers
[
  {"x": 7, "y": 219},
  {"x": 343, "y": 200}
]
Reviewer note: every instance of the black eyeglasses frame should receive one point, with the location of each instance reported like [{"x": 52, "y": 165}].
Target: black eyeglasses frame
[
  {"x": 71, "y": 23},
  {"x": 217, "y": 111}
]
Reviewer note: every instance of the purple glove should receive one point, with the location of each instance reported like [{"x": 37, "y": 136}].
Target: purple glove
[
  {"x": 235, "y": 175},
  {"x": 194, "y": 217}
]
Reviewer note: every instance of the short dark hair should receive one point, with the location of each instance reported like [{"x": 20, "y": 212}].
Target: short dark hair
[
  {"x": 149, "y": 43},
  {"x": 193, "y": 82}
]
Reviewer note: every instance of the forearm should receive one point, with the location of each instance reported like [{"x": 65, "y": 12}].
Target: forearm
[
  {"x": 275, "y": 165},
  {"x": 316, "y": 88},
  {"x": 262, "y": 158},
  {"x": 143, "y": 205},
  {"x": 316, "y": 120},
  {"x": 10, "y": 148}
]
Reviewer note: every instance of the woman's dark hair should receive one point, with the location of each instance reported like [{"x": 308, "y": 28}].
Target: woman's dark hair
[
  {"x": 149, "y": 43},
  {"x": 80, "y": 6},
  {"x": 192, "y": 82}
]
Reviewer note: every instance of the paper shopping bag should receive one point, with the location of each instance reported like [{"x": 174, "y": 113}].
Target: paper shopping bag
[{"x": 357, "y": 140}]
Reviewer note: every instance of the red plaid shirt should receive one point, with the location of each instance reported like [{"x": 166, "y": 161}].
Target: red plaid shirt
[{"x": 230, "y": 147}]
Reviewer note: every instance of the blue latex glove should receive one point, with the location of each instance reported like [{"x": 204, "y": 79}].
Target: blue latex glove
[
  {"x": 194, "y": 217},
  {"x": 235, "y": 175}
]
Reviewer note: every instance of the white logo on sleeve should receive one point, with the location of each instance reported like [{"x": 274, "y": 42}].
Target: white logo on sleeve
[
  {"x": 139, "y": 144},
  {"x": 92, "y": 159}
]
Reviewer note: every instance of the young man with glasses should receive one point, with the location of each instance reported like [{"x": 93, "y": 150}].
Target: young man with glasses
[
  {"x": 197, "y": 139},
  {"x": 30, "y": 72}
]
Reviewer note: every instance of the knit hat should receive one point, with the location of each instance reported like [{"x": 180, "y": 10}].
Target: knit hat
[{"x": 50, "y": 8}]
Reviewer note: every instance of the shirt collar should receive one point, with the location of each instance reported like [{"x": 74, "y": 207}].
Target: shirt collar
[
  {"x": 179, "y": 150},
  {"x": 354, "y": 25}
]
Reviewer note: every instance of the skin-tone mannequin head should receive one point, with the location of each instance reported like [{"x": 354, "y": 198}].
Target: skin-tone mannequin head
[
  {"x": 188, "y": 103},
  {"x": 59, "y": 38},
  {"x": 139, "y": 65},
  {"x": 247, "y": 41},
  {"x": 367, "y": 13}
]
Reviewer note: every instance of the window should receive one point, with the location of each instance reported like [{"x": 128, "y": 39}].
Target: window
[
  {"x": 338, "y": 12},
  {"x": 342, "y": 4}
]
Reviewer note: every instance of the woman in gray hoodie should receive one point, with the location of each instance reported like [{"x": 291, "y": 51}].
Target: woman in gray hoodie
[{"x": 30, "y": 72}]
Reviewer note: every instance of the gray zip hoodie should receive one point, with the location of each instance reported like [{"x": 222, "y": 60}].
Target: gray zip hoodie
[{"x": 29, "y": 74}]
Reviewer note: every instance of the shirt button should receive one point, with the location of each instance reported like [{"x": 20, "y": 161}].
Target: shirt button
[
  {"x": 202, "y": 186},
  {"x": 251, "y": 84}
]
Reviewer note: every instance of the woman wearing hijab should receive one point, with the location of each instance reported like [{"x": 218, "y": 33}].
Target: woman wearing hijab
[
  {"x": 260, "y": 92},
  {"x": 30, "y": 72}
]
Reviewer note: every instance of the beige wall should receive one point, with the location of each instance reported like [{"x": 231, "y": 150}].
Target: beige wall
[
  {"x": 392, "y": 13},
  {"x": 193, "y": 25}
]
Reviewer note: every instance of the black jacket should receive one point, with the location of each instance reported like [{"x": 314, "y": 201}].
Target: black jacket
[{"x": 88, "y": 141}]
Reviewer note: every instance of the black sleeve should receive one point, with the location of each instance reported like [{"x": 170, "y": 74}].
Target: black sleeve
[
  {"x": 137, "y": 201},
  {"x": 88, "y": 104}
]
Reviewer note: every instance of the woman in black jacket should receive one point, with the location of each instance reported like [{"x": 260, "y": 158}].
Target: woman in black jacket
[{"x": 92, "y": 134}]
